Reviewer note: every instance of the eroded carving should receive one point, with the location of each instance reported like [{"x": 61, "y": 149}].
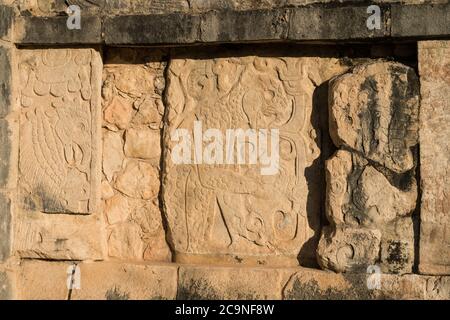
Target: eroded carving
[
  {"x": 59, "y": 130},
  {"x": 371, "y": 186},
  {"x": 232, "y": 212}
]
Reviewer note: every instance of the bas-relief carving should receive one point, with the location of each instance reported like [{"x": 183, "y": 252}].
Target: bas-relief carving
[
  {"x": 434, "y": 69},
  {"x": 371, "y": 186},
  {"x": 233, "y": 210},
  {"x": 59, "y": 130}
]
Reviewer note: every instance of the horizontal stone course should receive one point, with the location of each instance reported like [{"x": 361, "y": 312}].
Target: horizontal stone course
[
  {"x": 321, "y": 22},
  {"x": 126, "y": 281}
]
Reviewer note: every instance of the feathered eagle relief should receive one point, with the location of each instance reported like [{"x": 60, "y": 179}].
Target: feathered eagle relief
[{"x": 56, "y": 131}]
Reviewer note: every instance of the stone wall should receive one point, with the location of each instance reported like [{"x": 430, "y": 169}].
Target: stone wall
[{"x": 94, "y": 206}]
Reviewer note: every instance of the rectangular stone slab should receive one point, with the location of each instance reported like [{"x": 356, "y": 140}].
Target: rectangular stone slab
[
  {"x": 434, "y": 69},
  {"x": 230, "y": 212},
  {"x": 59, "y": 94}
]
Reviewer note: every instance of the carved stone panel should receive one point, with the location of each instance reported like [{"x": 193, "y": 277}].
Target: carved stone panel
[
  {"x": 60, "y": 130},
  {"x": 371, "y": 185},
  {"x": 232, "y": 212},
  {"x": 434, "y": 69}
]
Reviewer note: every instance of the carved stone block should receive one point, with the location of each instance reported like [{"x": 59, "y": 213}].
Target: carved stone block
[
  {"x": 60, "y": 130},
  {"x": 371, "y": 185},
  {"x": 434, "y": 69},
  {"x": 374, "y": 110},
  {"x": 231, "y": 212}
]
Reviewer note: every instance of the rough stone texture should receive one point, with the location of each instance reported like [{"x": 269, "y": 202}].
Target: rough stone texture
[
  {"x": 233, "y": 213},
  {"x": 6, "y": 21},
  {"x": 133, "y": 110},
  {"x": 115, "y": 7},
  {"x": 6, "y": 291},
  {"x": 319, "y": 285},
  {"x": 5, "y": 80},
  {"x": 328, "y": 23},
  {"x": 180, "y": 22},
  {"x": 114, "y": 281},
  {"x": 54, "y": 31},
  {"x": 430, "y": 20},
  {"x": 5, "y": 226},
  {"x": 348, "y": 249},
  {"x": 58, "y": 237},
  {"x": 200, "y": 283},
  {"x": 374, "y": 110},
  {"x": 434, "y": 69},
  {"x": 122, "y": 281},
  {"x": 98, "y": 281},
  {"x": 59, "y": 130},
  {"x": 371, "y": 186}
]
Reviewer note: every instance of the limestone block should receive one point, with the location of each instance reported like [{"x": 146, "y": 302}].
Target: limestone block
[
  {"x": 374, "y": 110},
  {"x": 43, "y": 280},
  {"x": 200, "y": 283},
  {"x": 359, "y": 194},
  {"x": 6, "y": 285},
  {"x": 113, "y": 155},
  {"x": 310, "y": 284},
  {"x": 136, "y": 231},
  {"x": 117, "y": 281},
  {"x": 231, "y": 211},
  {"x": 371, "y": 184},
  {"x": 6, "y": 208},
  {"x": 58, "y": 237},
  {"x": 143, "y": 143},
  {"x": 348, "y": 249},
  {"x": 434, "y": 69},
  {"x": 138, "y": 180},
  {"x": 60, "y": 130}
]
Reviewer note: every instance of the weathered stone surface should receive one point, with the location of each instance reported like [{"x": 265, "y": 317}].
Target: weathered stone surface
[
  {"x": 136, "y": 231},
  {"x": 5, "y": 80},
  {"x": 54, "y": 30},
  {"x": 348, "y": 249},
  {"x": 6, "y": 21},
  {"x": 5, "y": 226},
  {"x": 230, "y": 26},
  {"x": 98, "y": 281},
  {"x": 175, "y": 28},
  {"x": 200, "y": 283},
  {"x": 113, "y": 155},
  {"x": 359, "y": 194},
  {"x": 138, "y": 180},
  {"x": 427, "y": 21},
  {"x": 375, "y": 111},
  {"x": 232, "y": 211},
  {"x": 127, "y": 281},
  {"x": 132, "y": 89},
  {"x": 434, "y": 69},
  {"x": 42, "y": 280},
  {"x": 143, "y": 143},
  {"x": 7, "y": 154},
  {"x": 318, "y": 285},
  {"x": 6, "y": 286},
  {"x": 58, "y": 237},
  {"x": 371, "y": 186},
  {"x": 118, "y": 112},
  {"x": 59, "y": 130},
  {"x": 192, "y": 21},
  {"x": 108, "y": 280},
  {"x": 332, "y": 23}
]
